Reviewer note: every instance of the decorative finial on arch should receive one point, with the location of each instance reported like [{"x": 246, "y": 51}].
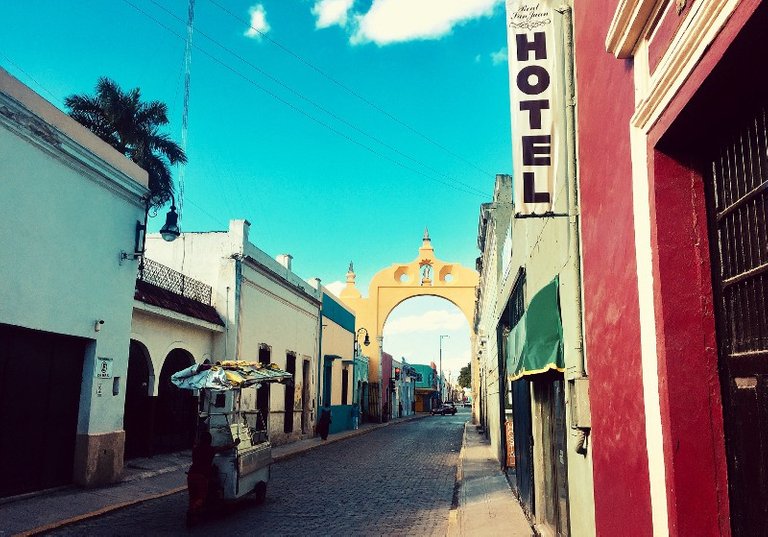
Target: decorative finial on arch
[
  {"x": 426, "y": 252},
  {"x": 350, "y": 291},
  {"x": 351, "y": 274}
]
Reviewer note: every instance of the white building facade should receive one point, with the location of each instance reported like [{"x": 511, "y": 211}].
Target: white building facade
[
  {"x": 70, "y": 205},
  {"x": 269, "y": 315}
]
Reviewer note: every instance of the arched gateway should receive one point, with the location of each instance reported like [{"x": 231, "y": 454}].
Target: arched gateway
[{"x": 424, "y": 276}]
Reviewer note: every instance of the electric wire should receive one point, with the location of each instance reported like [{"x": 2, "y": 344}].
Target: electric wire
[
  {"x": 323, "y": 108},
  {"x": 303, "y": 112},
  {"x": 38, "y": 84},
  {"x": 352, "y": 91}
]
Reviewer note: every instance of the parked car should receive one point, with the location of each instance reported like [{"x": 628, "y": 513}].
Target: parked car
[
  {"x": 467, "y": 403},
  {"x": 447, "y": 408}
]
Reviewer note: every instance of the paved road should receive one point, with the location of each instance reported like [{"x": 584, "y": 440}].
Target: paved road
[{"x": 397, "y": 480}]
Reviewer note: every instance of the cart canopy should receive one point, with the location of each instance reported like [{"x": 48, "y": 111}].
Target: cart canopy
[{"x": 228, "y": 375}]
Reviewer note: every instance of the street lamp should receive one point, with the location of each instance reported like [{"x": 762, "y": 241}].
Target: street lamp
[
  {"x": 440, "y": 384},
  {"x": 170, "y": 231},
  {"x": 366, "y": 341}
]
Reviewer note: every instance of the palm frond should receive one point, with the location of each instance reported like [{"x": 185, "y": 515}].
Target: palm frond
[{"x": 129, "y": 125}]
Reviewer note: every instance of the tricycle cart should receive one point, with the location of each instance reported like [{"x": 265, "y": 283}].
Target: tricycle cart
[{"x": 243, "y": 453}]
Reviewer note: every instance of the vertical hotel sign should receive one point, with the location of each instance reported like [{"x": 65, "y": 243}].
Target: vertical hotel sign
[{"x": 538, "y": 118}]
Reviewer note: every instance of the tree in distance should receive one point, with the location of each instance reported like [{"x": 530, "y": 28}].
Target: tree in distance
[{"x": 465, "y": 376}]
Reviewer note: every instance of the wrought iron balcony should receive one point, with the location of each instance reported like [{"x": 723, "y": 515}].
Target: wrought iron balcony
[{"x": 171, "y": 280}]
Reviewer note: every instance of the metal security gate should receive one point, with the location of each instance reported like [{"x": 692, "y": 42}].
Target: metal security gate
[
  {"x": 738, "y": 215},
  {"x": 523, "y": 434},
  {"x": 40, "y": 378}
]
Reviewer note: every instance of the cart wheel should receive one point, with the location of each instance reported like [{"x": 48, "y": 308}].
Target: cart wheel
[{"x": 260, "y": 492}]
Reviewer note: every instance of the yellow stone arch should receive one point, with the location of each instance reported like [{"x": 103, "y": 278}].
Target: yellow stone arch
[{"x": 424, "y": 276}]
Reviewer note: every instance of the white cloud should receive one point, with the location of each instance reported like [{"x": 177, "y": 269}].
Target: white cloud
[
  {"x": 478, "y": 58},
  {"x": 331, "y": 12},
  {"x": 429, "y": 321},
  {"x": 336, "y": 287},
  {"x": 393, "y": 21},
  {"x": 259, "y": 24},
  {"x": 499, "y": 56}
]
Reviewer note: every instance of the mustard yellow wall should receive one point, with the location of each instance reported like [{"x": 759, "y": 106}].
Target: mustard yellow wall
[
  {"x": 401, "y": 281},
  {"x": 338, "y": 342}
]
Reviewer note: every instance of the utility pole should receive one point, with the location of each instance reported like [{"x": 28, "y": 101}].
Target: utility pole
[{"x": 440, "y": 375}]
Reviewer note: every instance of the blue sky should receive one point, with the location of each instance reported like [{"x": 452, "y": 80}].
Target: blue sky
[{"x": 422, "y": 83}]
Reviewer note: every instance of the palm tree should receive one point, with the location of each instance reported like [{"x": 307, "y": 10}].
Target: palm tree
[{"x": 132, "y": 127}]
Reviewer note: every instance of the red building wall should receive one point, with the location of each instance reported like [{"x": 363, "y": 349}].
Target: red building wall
[
  {"x": 612, "y": 338},
  {"x": 386, "y": 374},
  {"x": 689, "y": 389}
]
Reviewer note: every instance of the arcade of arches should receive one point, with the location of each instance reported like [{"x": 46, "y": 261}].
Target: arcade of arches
[
  {"x": 424, "y": 276},
  {"x": 160, "y": 424}
]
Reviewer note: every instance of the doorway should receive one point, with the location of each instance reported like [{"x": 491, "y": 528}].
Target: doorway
[
  {"x": 305, "y": 399},
  {"x": 549, "y": 401},
  {"x": 737, "y": 181},
  {"x": 176, "y": 422},
  {"x": 290, "y": 392},
  {"x": 37, "y": 448},
  {"x": 138, "y": 415},
  {"x": 710, "y": 179},
  {"x": 263, "y": 392}
]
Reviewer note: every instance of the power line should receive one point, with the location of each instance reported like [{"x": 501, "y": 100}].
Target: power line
[
  {"x": 38, "y": 84},
  {"x": 303, "y": 112},
  {"x": 323, "y": 108},
  {"x": 351, "y": 91}
]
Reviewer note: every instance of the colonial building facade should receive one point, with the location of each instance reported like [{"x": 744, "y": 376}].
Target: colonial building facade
[
  {"x": 659, "y": 144},
  {"x": 70, "y": 206},
  {"x": 270, "y": 315},
  {"x": 673, "y": 178}
]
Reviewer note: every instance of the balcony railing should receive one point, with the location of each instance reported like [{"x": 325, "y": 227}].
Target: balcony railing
[{"x": 171, "y": 280}]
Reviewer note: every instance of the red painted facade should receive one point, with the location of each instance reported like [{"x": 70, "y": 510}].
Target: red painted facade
[
  {"x": 689, "y": 383},
  {"x": 386, "y": 374},
  {"x": 611, "y": 309}
]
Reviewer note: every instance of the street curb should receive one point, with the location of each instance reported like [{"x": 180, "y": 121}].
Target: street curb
[
  {"x": 93, "y": 514},
  {"x": 454, "y": 517},
  {"x": 115, "y": 507}
]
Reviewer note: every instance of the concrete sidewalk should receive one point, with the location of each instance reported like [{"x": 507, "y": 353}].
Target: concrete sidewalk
[{"x": 486, "y": 504}]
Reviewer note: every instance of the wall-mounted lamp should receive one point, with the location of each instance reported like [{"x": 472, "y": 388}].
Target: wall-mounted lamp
[
  {"x": 140, "y": 235},
  {"x": 97, "y": 325},
  {"x": 169, "y": 231}
]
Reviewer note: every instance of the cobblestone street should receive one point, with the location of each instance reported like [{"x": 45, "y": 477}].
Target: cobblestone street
[{"x": 398, "y": 480}]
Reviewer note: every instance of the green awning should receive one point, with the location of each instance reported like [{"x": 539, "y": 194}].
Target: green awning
[{"x": 535, "y": 344}]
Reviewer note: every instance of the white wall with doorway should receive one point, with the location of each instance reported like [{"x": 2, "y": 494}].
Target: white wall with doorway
[
  {"x": 70, "y": 204},
  {"x": 265, "y": 308}
]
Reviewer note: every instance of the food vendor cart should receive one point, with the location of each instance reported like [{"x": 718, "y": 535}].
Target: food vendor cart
[{"x": 244, "y": 469}]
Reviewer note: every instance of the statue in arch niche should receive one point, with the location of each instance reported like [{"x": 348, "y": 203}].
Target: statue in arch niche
[{"x": 426, "y": 274}]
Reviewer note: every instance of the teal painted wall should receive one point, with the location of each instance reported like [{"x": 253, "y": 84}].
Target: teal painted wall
[
  {"x": 337, "y": 313},
  {"x": 428, "y": 378},
  {"x": 341, "y": 418}
]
